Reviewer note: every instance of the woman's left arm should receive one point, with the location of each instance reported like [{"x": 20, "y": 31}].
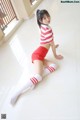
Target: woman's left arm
[{"x": 53, "y": 47}]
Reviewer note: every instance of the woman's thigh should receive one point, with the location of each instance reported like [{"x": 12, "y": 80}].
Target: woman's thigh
[
  {"x": 47, "y": 62},
  {"x": 38, "y": 65}
]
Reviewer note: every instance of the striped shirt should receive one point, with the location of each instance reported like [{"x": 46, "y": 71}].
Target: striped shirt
[{"x": 46, "y": 35}]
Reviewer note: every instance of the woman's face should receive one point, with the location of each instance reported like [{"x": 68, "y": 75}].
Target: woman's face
[{"x": 46, "y": 19}]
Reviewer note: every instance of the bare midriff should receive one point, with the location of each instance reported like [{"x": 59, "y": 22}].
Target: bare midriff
[{"x": 47, "y": 46}]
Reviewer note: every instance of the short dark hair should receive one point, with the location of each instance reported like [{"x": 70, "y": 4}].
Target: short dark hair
[{"x": 40, "y": 15}]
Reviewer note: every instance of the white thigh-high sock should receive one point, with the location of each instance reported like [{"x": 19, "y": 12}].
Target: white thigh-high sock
[
  {"x": 49, "y": 69},
  {"x": 29, "y": 85}
]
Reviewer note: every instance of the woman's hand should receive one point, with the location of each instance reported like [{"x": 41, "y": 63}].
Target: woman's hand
[
  {"x": 59, "y": 57},
  {"x": 57, "y": 45},
  {"x": 53, "y": 46}
]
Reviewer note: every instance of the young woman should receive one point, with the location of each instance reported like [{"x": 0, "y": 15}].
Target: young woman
[{"x": 42, "y": 66}]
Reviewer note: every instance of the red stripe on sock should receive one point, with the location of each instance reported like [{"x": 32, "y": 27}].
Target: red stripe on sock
[
  {"x": 34, "y": 80},
  {"x": 51, "y": 69}
]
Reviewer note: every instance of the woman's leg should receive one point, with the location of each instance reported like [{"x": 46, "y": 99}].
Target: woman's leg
[
  {"x": 18, "y": 90},
  {"x": 31, "y": 83},
  {"x": 47, "y": 62},
  {"x": 38, "y": 66},
  {"x": 49, "y": 67}
]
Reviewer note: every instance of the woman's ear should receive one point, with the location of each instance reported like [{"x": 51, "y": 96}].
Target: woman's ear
[{"x": 40, "y": 21}]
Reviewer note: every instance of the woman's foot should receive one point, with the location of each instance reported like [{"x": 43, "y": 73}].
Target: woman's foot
[{"x": 14, "y": 99}]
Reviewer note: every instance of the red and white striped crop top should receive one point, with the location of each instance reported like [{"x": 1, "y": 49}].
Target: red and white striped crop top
[{"x": 46, "y": 35}]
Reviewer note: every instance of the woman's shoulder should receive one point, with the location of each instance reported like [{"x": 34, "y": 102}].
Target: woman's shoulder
[{"x": 45, "y": 28}]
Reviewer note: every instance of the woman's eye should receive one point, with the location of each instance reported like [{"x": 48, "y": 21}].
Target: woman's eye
[{"x": 45, "y": 18}]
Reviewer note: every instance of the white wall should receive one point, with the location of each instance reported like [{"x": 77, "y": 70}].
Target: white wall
[
  {"x": 1, "y": 34},
  {"x": 23, "y": 8}
]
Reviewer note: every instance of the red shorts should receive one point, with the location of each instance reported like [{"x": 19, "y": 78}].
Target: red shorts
[{"x": 39, "y": 53}]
